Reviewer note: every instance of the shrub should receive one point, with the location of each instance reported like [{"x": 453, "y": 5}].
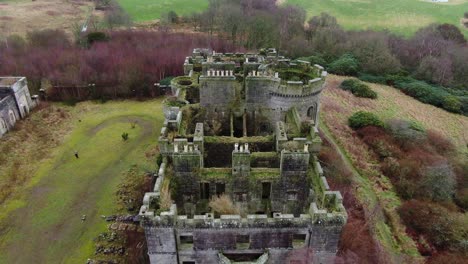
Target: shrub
[
  {"x": 363, "y": 119},
  {"x": 95, "y": 37},
  {"x": 348, "y": 84},
  {"x": 172, "y": 17},
  {"x": 372, "y": 78},
  {"x": 124, "y": 136},
  {"x": 159, "y": 159},
  {"x": 441, "y": 144},
  {"x": 439, "y": 183},
  {"x": 223, "y": 205},
  {"x": 358, "y": 89},
  {"x": 314, "y": 59},
  {"x": 362, "y": 90},
  {"x": 452, "y": 104},
  {"x": 461, "y": 198},
  {"x": 443, "y": 228},
  {"x": 447, "y": 257},
  {"x": 166, "y": 81},
  {"x": 405, "y": 131},
  {"x": 345, "y": 65}
]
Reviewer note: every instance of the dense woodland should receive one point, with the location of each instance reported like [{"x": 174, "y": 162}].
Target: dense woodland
[{"x": 100, "y": 65}]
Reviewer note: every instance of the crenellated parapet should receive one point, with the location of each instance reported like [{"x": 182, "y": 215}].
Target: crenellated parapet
[{"x": 240, "y": 175}]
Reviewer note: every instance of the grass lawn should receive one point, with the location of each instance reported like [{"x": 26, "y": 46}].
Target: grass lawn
[
  {"x": 399, "y": 16},
  {"x": 41, "y": 222},
  {"x": 144, "y": 10}
]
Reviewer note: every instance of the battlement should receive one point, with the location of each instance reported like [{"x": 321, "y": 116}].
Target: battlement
[{"x": 240, "y": 169}]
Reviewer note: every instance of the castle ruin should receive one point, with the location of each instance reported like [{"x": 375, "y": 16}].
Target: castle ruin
[{"x": 242, "y": 126}]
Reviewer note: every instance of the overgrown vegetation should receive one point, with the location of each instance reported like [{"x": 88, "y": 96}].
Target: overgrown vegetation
[
  {"x": 358, "y": 241},
  {"x": 363, "y": 119},
  {"x": 358, "y": 88},
  {"x": 423, "y": 165},
  {"x": 375, "y": 187},
  {"x": 223, "y": 205}
]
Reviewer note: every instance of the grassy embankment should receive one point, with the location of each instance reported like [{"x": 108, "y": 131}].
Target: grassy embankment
[
  {"x": 399, "y": 16},
  {"x": 50, "y": 189},
  {"x": 374, "y": 189}
]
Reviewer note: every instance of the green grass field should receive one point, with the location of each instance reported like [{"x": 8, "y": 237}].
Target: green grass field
[
  {"x": 399, "y": 16},
  {"x": 44, "y": 223},
  {"x": 145, "y": 10}
]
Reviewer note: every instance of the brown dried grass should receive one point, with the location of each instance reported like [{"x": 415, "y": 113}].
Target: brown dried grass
[
  {"x": 165, "y": 201},
  {"x": 24, "y": 16},
  {"x": 223, "y": 205},
  {"x": 30, "y": 142}
]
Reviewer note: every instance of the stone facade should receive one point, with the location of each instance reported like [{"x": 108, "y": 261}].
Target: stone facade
[
  {"x": 242, "y": 126},
  {"x": 15, "y": 102}
]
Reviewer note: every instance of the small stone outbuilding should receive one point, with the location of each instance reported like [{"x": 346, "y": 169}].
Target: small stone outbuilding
[{"x": 15, "y": 102}]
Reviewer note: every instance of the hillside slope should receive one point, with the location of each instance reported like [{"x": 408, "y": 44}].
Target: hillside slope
[
  {"x": 373, "y": 189},
  {"x": 338, "y": 105}
]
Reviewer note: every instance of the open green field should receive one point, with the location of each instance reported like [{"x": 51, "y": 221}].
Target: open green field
[
  {"x": 42, "y": 222},
  {"x": 399, "y": 16},
  {"x": 144, "y": 10}
]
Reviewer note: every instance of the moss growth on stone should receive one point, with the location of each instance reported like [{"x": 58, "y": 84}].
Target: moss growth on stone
[
  {"x": 215, "y": 173},
  {"x": 265, "y": 173},
  {"x": 233, "y": 140}
]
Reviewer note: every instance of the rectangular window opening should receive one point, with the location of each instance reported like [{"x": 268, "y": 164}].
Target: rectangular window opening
[
  {"x": 242, "y": 242},
  {"x": 186, "y": 242},
  {"x": 204, "y": 190},
  {"x": 220, "y": 188},
  {"x": 299, "y": 240},
  {"x": 292, "y": 195},
  {"x": 266, "y": 190}
]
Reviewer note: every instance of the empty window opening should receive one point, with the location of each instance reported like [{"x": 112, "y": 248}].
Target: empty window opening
[
  {"x": 299, "y": 240},
  {"x": 186, "y": 242},
  {"x": 188, "y": 262},
  {"x": 220, "y": 188},
  {"x": 266, "y": 190},
  {"x": 292, "y": 195},
  {"x": 238, "y": 123},
  {"x": 204, "y": 190},
  {"x": 240, "y": 197},
  {"x": 242, "y": 242},
  {"x": 239, "y": 257}
]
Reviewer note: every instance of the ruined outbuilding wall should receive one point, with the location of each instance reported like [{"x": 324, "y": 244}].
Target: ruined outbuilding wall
[{"x": 7, "y": 109}]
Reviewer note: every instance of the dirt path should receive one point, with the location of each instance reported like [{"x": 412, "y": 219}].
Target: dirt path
[{"x": 65, "y": 232}]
